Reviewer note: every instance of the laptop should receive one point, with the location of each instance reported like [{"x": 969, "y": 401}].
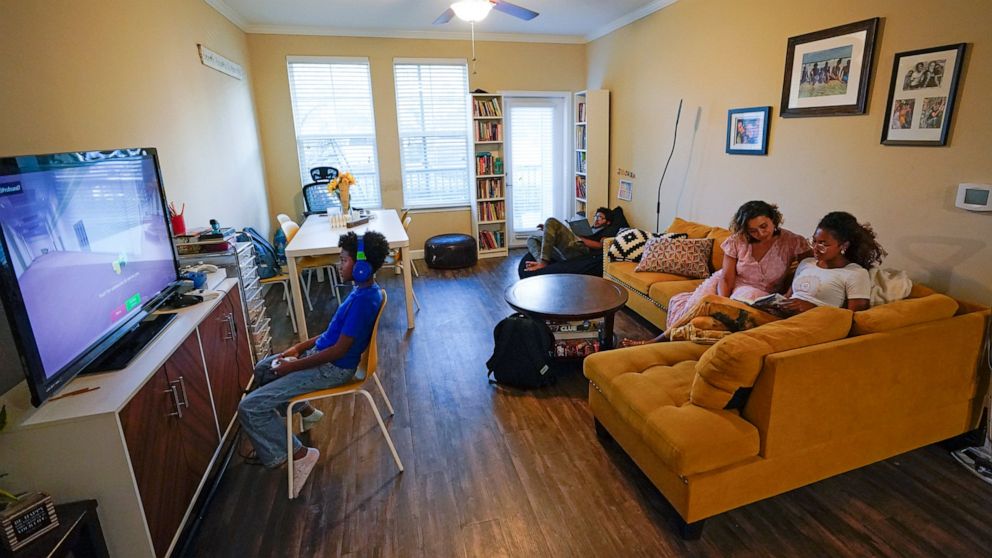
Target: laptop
[{"x": 580, "y": 226}]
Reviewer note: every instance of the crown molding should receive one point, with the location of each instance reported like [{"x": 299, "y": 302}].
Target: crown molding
[
  {"x": 230, "y": 13},
  {"x": 411, "y": 34},
  {"x": 628, "y": 19}
]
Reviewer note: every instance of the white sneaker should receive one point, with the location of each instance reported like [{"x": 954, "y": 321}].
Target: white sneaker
[
  {"x": 302, "y": 468},
  {"x": 312, "y": 419}
]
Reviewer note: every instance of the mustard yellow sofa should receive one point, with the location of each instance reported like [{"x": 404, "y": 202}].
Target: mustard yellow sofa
[
  {"x": 649, "y": 292},
  {"x": 827, "y": 391}
]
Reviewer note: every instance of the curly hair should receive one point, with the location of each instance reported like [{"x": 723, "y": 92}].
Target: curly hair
[
  {"x": 751, "y": 210},
  {"x": 862, "y": 247},
  {"x": 376, "y": 247}
]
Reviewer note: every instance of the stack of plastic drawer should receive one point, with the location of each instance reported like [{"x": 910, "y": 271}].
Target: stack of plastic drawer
[{"x": 239, "y": 261}]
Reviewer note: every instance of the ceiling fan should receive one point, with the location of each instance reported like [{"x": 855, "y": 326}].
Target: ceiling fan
[{"x": 477, "y": 10}]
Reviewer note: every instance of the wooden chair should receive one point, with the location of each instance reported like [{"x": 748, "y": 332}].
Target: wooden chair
[{"x": 367, "y": 368}]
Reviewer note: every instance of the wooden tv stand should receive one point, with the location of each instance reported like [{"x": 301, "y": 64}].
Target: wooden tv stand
[{"x": 142, "y": 444}]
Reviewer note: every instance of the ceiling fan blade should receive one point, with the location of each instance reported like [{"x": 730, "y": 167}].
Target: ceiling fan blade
[
  {"x": 445, "y": 17},
  {"x": 513, "y": 10}
]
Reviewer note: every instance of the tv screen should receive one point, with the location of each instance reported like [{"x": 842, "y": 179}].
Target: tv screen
[{"x": 86, "y": 250}]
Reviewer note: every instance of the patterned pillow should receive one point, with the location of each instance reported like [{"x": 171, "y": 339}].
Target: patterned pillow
[
  {"x": 628, "y": 246},
  {"x": 688, "y": 257}
]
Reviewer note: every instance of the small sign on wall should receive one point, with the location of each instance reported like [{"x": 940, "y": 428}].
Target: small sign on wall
[
  {"x": 213, "y": 60},
  {"x": 626, "y": 191}
]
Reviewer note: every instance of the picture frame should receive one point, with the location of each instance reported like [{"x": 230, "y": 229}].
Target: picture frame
[
  {"x": 747, "y": 131},
  {"x": 626, "y": 191},
  {"x": 922, "y": 95},
  {"x": 828, "y": 72}
]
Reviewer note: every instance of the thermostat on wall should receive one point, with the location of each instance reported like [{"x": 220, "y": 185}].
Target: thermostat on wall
[{"x": 974, "y": 197}]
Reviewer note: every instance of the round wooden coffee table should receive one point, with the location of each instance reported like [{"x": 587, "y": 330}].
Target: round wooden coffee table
[{"x": 564, "y": 296}]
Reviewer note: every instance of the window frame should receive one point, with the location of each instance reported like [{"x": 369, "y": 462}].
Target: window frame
[
  {"x": 330, "y": 60},
  {"x": 466, "y": 203}
]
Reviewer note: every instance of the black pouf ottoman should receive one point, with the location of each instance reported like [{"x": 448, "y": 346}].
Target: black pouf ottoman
[{"x": 450, "y": 251}]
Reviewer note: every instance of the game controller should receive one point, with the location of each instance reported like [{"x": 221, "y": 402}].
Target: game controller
[{"x": 276, "y": 363}]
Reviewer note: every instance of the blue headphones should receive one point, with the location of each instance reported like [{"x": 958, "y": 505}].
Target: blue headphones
[{"x": 363, "y": 269}]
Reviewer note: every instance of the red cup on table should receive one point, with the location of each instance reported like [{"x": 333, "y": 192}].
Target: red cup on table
[{"x": 178, "y": 224}]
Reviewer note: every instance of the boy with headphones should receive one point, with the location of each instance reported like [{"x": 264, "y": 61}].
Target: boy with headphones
[{"x": 325, "y": 361}]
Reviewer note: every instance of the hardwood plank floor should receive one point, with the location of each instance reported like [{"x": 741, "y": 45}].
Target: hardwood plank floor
[{"x": 500, "y": 472}]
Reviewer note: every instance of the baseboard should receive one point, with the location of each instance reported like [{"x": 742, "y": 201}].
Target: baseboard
[{"x": 416, "y": 254}]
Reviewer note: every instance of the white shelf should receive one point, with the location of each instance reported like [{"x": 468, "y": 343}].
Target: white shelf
[
  {"x": 594, "y": 132},
  {"x": 492, "y": 222},
  {"x": 489, "y": 176},
  {"x": 487, "y": 142},
  {"x": 490, "y": 199},
  {"x": 493, "y": 231}
]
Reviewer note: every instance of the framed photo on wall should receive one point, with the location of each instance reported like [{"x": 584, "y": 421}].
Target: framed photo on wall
[
  {"x": 827, "y": 73},
  {"x": 921, "y": 96},
  {"x": 747, "y": 131}
]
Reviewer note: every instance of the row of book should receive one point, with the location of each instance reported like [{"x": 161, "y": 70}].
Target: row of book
[
  {"x": 580, "y": 137},
  {"x": 492, "y": 211},
  {"x": 488, "y": 163},
  {"x": 580, "y": 187},
  {"x": 204, "y": 240},
  {"x": 580, "y": 112},
  {"x": 486, "y": 107},
  {"x": 488, "y": 131},
  {"x": 491, "y": 240},
  {"x": 489, "y": 188},
  {"x": 580, "y": 162}
]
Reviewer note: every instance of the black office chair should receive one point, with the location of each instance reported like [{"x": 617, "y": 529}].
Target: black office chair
[
  {"x": 315, "y": 196},
  {"x": 316, "y": 199},
  {"x": 323, "y": 174}
]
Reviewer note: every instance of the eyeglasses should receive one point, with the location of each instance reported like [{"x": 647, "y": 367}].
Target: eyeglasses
[{"x": 819, "y": 243}]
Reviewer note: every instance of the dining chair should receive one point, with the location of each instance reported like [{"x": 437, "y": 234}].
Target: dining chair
[
  {"x": 282, "y": 218},
  {"x": 367, "y": 368},
  {"x": 283, "y": 279},
  {"x": 394, "y": 259},
  {"x": 323, "y": 174},
  {"x": 312, "y": 264}
]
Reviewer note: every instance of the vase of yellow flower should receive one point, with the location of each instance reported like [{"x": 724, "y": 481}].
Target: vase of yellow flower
[{"x": 340, "y": 187}]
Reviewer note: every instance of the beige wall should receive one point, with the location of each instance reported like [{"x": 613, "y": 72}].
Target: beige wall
[
  {"x": 722, "y": 54},
  {"x": 126, "y": 73},
  {"x": 501, "y": 66}
]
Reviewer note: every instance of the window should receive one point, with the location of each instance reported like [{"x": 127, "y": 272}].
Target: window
[
  {"x": 433, "y": 119},
  {"x": 332, "y": 111}
]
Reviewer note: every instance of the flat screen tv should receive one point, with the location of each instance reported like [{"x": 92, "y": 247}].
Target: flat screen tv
[{"x": 85, "y": 255}]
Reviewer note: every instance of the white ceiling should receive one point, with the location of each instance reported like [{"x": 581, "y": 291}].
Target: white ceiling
[{"x": 568, "y": 21}]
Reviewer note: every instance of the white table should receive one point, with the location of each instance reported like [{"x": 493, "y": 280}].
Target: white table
[{"x": 316, "y": 238}]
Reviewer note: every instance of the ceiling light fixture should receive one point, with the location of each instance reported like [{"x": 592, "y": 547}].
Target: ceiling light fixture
[{"x": 472, "y": 10}]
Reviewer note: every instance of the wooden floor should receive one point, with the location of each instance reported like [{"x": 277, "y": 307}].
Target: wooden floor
[{"x": 496, "y": 472}]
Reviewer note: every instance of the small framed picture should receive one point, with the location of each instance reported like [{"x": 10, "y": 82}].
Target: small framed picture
[
  {"x": 827, "y": 72},
  {"x": 747, "y": 131},
  {"x": 921, "y": 96},
  {"x": 626, "y": 191}
]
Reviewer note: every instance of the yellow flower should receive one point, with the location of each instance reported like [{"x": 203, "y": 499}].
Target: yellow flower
[{"x": 340, "y": 186}]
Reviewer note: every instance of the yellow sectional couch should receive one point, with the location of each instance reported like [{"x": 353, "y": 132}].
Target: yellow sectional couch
[
  {"x": 650, "y": 292},
  {"x": 828, "y": 391}
]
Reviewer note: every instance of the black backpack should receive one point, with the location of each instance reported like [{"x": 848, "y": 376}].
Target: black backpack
[
  {"x": 265, "y": 253},
  {"x": 522, "y": 352}
]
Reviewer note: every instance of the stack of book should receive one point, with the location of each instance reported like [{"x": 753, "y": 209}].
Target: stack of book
[
  {"x": 204, "y": 239},
  {"x": 576, "y": 338}
]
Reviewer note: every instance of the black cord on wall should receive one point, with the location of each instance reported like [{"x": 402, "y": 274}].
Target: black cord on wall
[{"x": 657, "y": 207}]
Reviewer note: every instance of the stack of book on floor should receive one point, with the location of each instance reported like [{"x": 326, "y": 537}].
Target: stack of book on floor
[
  {"x": 204, "y": 239},
  {"x": 576, "y": 338}
]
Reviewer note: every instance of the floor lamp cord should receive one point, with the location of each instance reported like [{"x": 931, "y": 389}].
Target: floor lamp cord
[{"x": 657, "y": 206}]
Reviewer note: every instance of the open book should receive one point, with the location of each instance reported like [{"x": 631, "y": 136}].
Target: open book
[
  {"x": 769, "y": 303},
  {"x": 580, "y": 226}
]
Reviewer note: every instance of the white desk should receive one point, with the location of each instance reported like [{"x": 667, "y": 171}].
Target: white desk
[{"x": 316, "y": 237}]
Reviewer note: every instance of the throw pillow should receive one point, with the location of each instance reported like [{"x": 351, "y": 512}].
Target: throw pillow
[
  {"x": 628, "y": 246},
  {"x": 688, "y": 257}
]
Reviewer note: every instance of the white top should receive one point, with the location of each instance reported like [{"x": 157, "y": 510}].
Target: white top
[
  {"x": 317, "y": 237},
  {"x": 830, "y": 287}
]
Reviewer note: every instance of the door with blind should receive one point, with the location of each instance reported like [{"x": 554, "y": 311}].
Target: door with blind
[{"x": 535, "y": 161}]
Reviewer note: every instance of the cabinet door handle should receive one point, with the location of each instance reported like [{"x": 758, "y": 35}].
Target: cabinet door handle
[
  {"x": 231, "y": 328},
  {"x": 182, "y": 386},
  {"x": 175, "y": 398}
]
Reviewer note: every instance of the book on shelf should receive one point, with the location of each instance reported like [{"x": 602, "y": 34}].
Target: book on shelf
[
  {"x": 191, "y": 235},
  {"x": 486, "y": 107},
  {"x": 580, "y": 137},
  {"x": 580, "y": 162},
  {"x": 490, "y": 240},
  {"x": 489, "y": 188},
  {"x": 580, "y": 187},
  {"x": 204, "y": 247},
  {"x": 487, "y": 163},
  {"x": 492, "y": 211},
  {"x": 580, "y": 112},
  {"x": 488, "y": 131}
]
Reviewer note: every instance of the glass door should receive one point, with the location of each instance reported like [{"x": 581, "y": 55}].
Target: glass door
[{"x": 535, "y": 162}]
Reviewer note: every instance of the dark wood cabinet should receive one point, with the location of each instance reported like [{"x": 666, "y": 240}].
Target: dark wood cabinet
[
  {"x": 224, "y": 337},
  {"x": 171, "y": 436}
]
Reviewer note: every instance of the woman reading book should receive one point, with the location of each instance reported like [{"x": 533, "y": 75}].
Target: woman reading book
[
  {"x": 757, "y": 257},
  {"x": 836, "y": 275}
]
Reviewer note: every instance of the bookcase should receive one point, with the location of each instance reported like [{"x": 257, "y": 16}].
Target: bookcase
[
  {"x": 488, "y": 175},
  {"x": 592, "y": 150}
]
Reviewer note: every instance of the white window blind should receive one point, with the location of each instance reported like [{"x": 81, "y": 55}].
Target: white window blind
[
  {"x": 335, "y": 126},
  {"x": 433, "y": 119},
  {"x": 533, "y": 164}
]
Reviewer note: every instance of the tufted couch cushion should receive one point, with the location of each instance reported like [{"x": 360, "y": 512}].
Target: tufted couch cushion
[
  {"x": 902, "y": 313},
  {"x": 735, "y": 361}
]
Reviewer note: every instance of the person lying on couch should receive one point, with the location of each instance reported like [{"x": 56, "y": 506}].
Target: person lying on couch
[
  {"x": 836, "y": 275},
  {"x": 557, "y": 241}
]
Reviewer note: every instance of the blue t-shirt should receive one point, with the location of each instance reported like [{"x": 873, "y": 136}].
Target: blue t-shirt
[{"x": 354, "y": 318}]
